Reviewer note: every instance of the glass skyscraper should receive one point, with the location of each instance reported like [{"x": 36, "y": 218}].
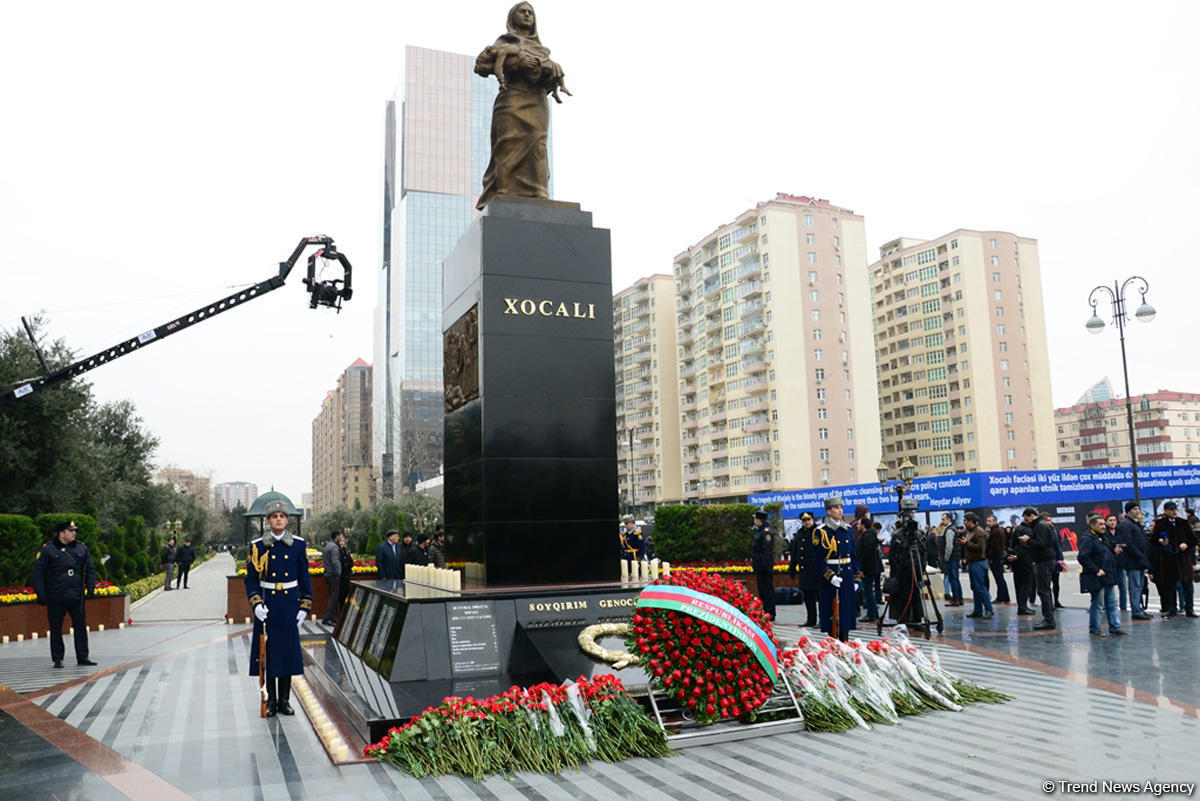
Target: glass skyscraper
[{"x": 437, "y": 143}]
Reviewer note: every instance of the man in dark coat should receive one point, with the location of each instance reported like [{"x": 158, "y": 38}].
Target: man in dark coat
[
  {"x": 907, "y": 553},
  {"x": 279, "y": 588},
  {"x": 1176, "y": 544},
  {"x": 1098, "y": 576},
  {"x": 762, "y": 559},
  {"x": 1132, "y": 559},
  {"x": 184, "y": 558},
  {"x": 389, "y": 557},
  {"x": 801, "y": 563},
  {"x": 837, "y": 562},
  {"x": 1020, "y": 556},
  {"x": 409, "y": 551},
  {"x": 63, "y": 576},
  {"x": 871, "y": 565},
  {"x": 331, "y": 560},
  {"x": 347, "y": 560},
  {"x": 1043, "y": 542},
  {"x": 997, "y": 546},
  {"x": 168, "y": 561}
]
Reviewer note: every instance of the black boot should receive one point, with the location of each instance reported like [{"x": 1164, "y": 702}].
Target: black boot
[
  {"x": 271, "y": 702},
  {"x": 285, "y": 695}
]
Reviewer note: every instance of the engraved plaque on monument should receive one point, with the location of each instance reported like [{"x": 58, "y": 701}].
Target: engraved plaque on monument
[{"x": 474, "y": 645}]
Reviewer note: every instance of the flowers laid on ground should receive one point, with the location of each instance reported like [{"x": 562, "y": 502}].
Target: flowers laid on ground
[
  {"x": 24, "y": 595},
  {"x": 544, "y": 728},
  {"x": 841, "y": 685},
  {"x": 701, "y": 665}
]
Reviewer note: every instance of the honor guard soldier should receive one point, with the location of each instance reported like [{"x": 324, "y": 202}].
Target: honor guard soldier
[
  {"x": 633, "y": 546},
  {"x": 762, "y": 559},
  {"x": 836, "y": 560},
  {"x": 280, "y": 592}
]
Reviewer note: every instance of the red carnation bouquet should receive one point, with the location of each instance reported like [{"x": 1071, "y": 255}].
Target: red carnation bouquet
[{"x": 705, "y": 668}]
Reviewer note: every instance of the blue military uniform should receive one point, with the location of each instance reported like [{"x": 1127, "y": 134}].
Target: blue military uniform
[
  {"x": 834, "y": 555},
  {"x": 277, "y": 576}
]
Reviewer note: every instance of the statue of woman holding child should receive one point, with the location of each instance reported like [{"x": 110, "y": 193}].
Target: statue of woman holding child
[{"x": 521, "y": 115}]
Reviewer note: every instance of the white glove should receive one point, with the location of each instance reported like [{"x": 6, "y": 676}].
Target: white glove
[
  {"x": 857, "y": 586},
  {"x": 260, "y": 612},
  {"x": 300, "y": 617},
  {"x": 836, "y": 581}
]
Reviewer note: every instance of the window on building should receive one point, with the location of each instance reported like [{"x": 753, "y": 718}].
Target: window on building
[
  {"x": 816, "y": 334},
  {"x": 808, "y": 219},
  {"x": 810, "y": 239},
  {"x": 814, "y": 295},
  {"x": 822, "y": 433},
  {"x": 819, "y": 374}
]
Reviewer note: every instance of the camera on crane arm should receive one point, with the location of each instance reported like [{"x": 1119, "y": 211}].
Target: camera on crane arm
[{"x": 328, "y": 292}]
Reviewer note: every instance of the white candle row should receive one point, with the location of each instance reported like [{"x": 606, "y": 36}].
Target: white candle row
[
  {"x": 21, "y": 637},
  {"x": 440, "y": 577},
  {"x": 645, "y": 570}
]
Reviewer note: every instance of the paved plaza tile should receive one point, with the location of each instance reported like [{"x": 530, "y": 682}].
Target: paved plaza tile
[{"x": 170, "y": 712}]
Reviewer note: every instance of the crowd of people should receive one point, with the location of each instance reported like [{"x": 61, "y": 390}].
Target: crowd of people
[{"x": 1119, "y": 555}]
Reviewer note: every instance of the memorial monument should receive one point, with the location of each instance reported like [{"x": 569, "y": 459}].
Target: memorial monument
[
  {"x": 530, "y": 431},
  {"x": 530, "y": 438}
]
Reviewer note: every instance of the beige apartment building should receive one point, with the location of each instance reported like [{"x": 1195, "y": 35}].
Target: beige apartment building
[
  {"x": 960, "y": 353},
  {"x": 341, "y": 444},
  {"x": 1096, "y": 434},
  {"x": 647, "y": 392},
  {"x": 774, "y": 359}
]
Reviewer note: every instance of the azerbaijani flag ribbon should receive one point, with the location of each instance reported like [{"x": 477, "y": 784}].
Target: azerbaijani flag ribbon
[{"x": 715, "y": 612}]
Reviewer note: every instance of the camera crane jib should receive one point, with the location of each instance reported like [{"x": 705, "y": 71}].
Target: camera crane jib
[{"x": 328, "y": 293}]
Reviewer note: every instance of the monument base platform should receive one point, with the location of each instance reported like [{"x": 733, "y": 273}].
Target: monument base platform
[{"x": 401, "y": 647}]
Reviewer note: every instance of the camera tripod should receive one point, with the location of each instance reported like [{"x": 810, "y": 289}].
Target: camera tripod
[{"x": 918, "y": 585}]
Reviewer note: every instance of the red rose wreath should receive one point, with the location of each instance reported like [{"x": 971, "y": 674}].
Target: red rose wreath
[{"x": 704, "y": 667}]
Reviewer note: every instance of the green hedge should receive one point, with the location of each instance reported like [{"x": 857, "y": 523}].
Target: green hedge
[
  {"x": 20, "y": 540},
  {"x": 710, "y": 532}
]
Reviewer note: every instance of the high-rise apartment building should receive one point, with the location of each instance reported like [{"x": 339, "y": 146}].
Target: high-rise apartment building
[
  {"x": 341, "y": 444},
  {"x": 229, "y": 494},
  {"x": 774, "y": 348},
  {"x": 188, "y": 483},
  {"x": 437, "y": 145},
  {"x": 647, "y": 392},
  {"x": 1096, "y": 434},
  {"x": 960, "y": 353}
]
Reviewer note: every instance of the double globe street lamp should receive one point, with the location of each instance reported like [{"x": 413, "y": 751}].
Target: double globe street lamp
[
  {"x": 1145, "y": 313},
  {"x": 907, "y": 473}
]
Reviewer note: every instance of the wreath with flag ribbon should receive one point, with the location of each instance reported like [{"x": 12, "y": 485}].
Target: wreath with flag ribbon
[{"x": 705, "y": 641}]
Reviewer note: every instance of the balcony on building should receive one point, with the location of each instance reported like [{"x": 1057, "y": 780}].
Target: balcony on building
[{"x": 756, "y": 444}]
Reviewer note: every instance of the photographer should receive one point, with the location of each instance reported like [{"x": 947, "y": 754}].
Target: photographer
[{"x": 906, "y": 569}]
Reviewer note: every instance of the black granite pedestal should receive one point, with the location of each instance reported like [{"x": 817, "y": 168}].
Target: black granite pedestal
[
  {"x": 531, "y": 461},
  {"x": 401, "y": 647}
]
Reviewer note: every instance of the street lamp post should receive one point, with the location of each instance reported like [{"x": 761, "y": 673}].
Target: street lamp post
[
  {"x": 907, "y": 473},
  {"x": 1145, "y": 313}
]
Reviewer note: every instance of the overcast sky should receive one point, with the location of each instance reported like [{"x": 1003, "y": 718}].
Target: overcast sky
[{"x": 155, "y": 155}]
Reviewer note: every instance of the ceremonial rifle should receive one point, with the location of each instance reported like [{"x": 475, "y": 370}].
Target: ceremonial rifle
[{"x": 262, "y": 671}]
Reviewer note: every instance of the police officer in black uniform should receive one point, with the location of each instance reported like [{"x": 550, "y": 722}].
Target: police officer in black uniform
[
  {"x": 762, "y": 559},
  {"x": 280, "y": 591},
  {"x": 63, "y": 576}
]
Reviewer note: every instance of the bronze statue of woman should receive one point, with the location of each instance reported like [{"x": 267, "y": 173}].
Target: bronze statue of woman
[{"x": 521, "y": 114}]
